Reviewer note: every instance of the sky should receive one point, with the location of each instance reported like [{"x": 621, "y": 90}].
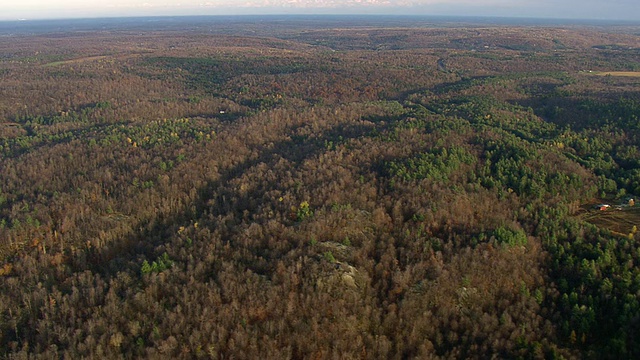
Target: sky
[{"x": 568, "y": 9}]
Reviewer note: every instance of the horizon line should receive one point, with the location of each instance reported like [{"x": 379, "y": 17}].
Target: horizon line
[{"x": 302, "y": 14}]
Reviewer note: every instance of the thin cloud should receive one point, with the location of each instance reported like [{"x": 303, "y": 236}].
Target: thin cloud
[
  {"x": 354, "y": 3},
  {"x": 610, "y": 9}
]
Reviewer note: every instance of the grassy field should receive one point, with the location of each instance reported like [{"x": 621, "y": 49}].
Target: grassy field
[
  {"x": 73, "y": 61},
  {"x": 618, "y": 73},
  {"x": 618, "y": 221}
]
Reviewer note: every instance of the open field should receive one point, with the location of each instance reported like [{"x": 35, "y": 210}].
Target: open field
[
  {"x": 74, "y": 61},
  {"x": 618, "y": 73},
  {"x": 620, "y": 222}
]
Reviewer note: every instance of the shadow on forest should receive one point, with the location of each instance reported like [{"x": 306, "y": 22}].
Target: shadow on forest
[
  {"x": 213, "y": 199},
  {"x": 580, "y": 112},
  {"x": 51, "y": 140},
  {"x": 462, "y": 84}
]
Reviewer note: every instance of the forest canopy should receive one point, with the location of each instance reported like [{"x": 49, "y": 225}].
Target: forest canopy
[{"x": 320, "y": 191}]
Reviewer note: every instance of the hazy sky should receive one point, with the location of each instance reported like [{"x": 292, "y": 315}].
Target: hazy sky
[{"x": 585, "y": 9}]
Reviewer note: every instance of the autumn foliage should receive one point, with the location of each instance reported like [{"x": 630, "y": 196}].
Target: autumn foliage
[{"x": 342, "y": 192}]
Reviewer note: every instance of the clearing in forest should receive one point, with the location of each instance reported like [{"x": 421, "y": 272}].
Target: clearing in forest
[
  {"x": 618, "y": 73},
  {"x": 617, "y": 219},
  {"x": 73, "y": 61}
]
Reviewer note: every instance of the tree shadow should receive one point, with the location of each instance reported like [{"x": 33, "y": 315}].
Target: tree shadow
[{"x": 214, "y": 199}]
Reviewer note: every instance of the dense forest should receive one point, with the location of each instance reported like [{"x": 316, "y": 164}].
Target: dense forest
[{"x": 311, "y": 191}]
